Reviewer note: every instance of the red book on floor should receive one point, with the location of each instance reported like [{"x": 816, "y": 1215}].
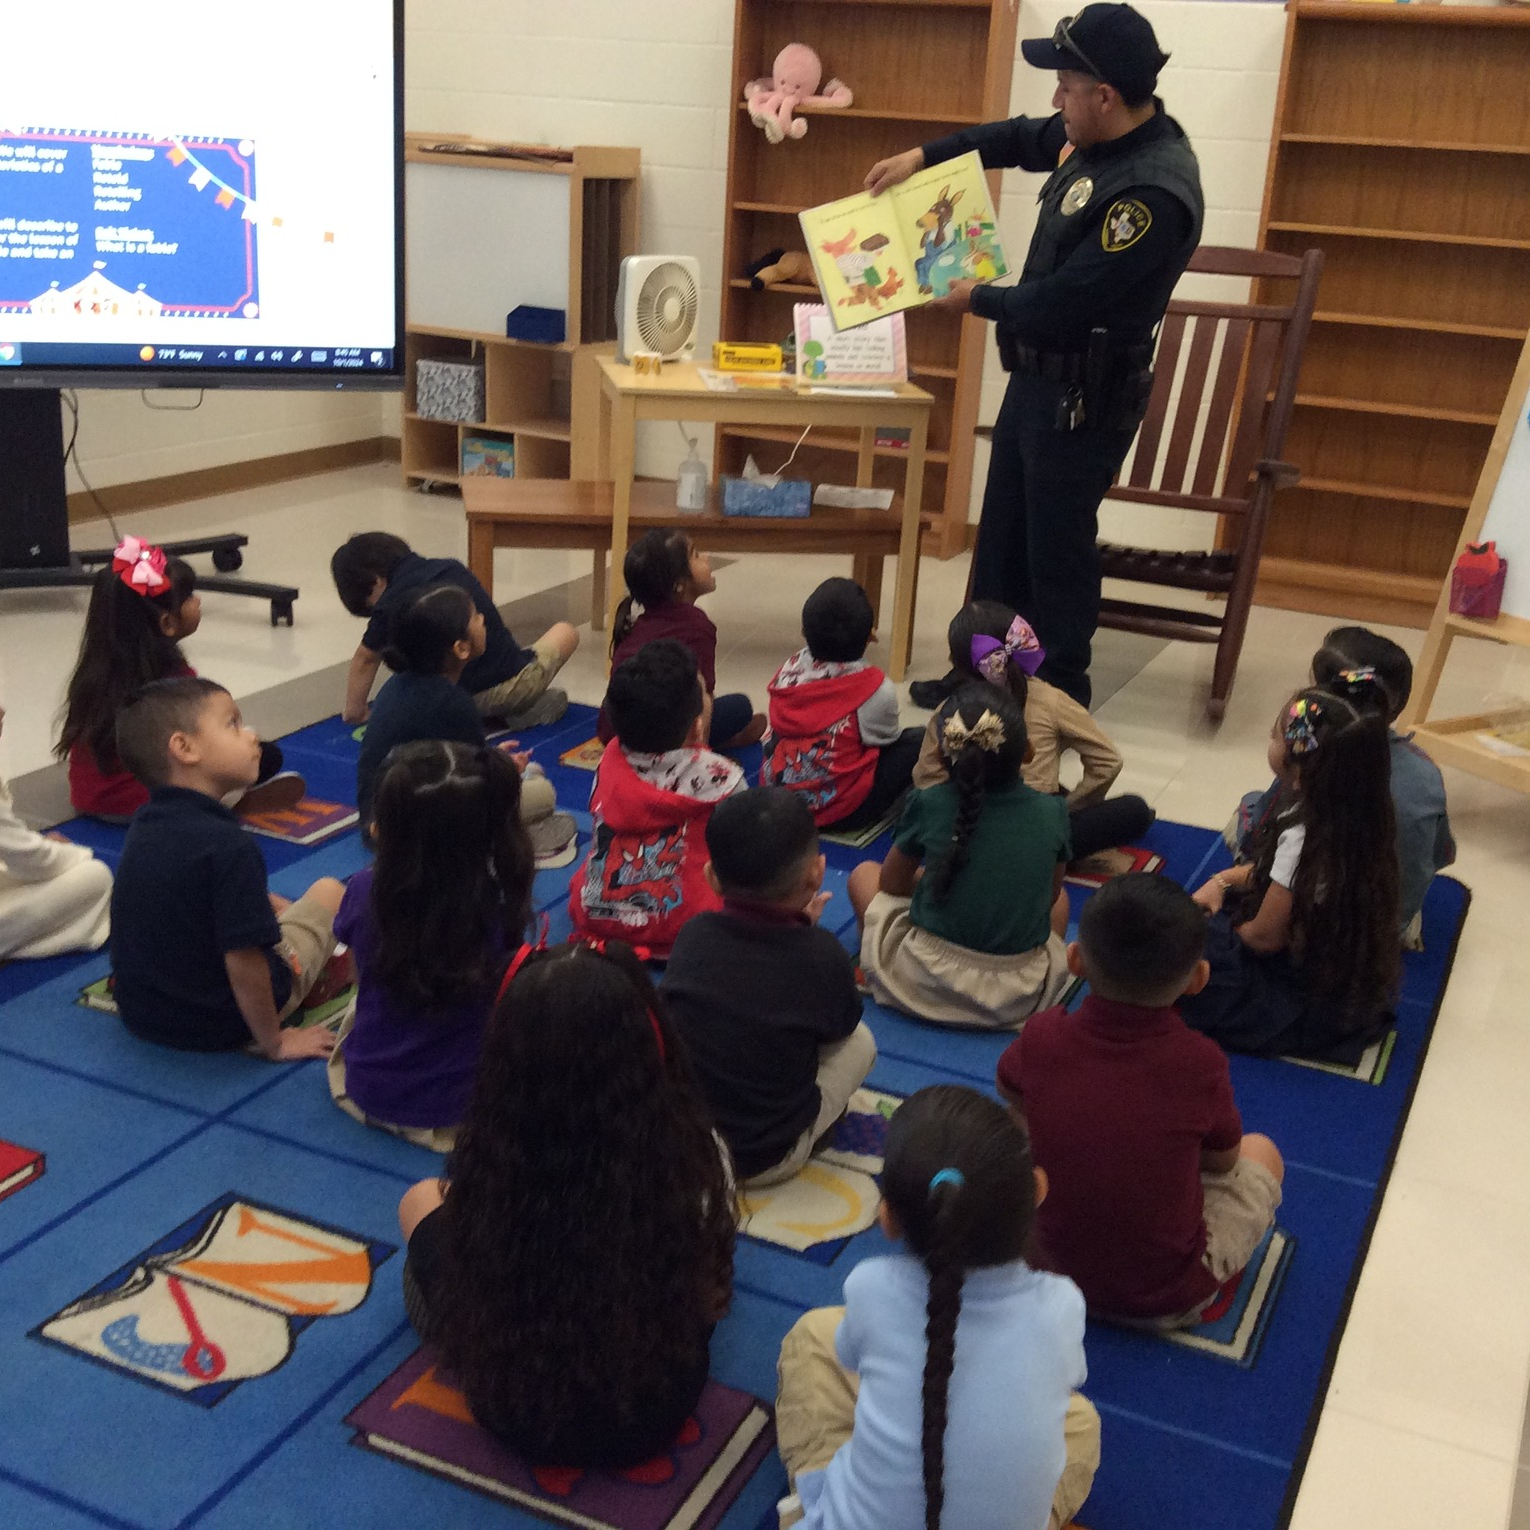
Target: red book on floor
[{"x": 19, "y": 1166}]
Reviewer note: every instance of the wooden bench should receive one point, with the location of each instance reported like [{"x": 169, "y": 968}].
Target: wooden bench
[{"x": 555, "y": 512}]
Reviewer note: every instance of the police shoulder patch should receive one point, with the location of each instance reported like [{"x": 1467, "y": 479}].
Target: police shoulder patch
[{"x": 1126, "y": 222}]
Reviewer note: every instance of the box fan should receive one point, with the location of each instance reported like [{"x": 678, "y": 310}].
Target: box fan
[{"x": 657, "y": 301}]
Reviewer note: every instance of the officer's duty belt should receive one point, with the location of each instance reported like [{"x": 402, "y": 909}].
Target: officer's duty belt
[{"x": 1069, "y": 367}]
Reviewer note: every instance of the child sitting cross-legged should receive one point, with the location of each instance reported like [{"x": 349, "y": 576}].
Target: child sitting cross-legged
[
  {"x": 1303, "y": 937},
  {"x": 377, "y": 573},
  {"x": 1157, "y": 1197},
  {"x": 431, "y": 927},
  {"x": 990, "y": 642},
  {"x": 943, "y": 1391},
  {"x": 435, "y": 635},
  {"x": 765, "y": 1000},
  {"x": 570, "y": 1266},
  {"x": 203, "y": 956},
  {"x": 654, "y": 791},
  {"x": 1424, "y": 841},
  {"x": 834, "y": 734},
  {"x": 963, "y": 922}
]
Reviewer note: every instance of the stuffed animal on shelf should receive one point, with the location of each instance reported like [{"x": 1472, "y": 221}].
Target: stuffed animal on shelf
[
  {"x": 793, "y": 82},
  {"x": 780, "y": 266}
]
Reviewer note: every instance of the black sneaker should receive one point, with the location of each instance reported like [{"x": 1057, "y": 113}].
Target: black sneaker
[{"x": 932, "y": 693}]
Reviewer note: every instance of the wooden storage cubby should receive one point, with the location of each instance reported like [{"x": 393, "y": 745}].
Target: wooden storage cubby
[
  {"x": 1402, "y": 149},
  {"x": 530, "y": 395},
  {"x": 965, "y": 54}
]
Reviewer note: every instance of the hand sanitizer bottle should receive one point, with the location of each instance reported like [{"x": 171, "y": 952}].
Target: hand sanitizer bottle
[{"x": 692, "y": 482}]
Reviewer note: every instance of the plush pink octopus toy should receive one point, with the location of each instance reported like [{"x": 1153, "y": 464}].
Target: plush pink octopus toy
[{"x": 793, "y": 83}]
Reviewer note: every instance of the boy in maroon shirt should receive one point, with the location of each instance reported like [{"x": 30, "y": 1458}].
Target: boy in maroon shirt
[{"x": 1157, "y": 1197}]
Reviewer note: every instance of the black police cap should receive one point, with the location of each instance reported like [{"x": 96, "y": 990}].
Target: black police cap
[{"x": 1113, "y": 43}]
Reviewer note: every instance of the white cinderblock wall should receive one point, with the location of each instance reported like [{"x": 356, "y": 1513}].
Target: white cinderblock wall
[{"x": 657, "y": 74}]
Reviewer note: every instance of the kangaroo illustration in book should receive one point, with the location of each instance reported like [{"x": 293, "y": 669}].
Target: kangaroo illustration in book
[{"x": 933, "y": 242}]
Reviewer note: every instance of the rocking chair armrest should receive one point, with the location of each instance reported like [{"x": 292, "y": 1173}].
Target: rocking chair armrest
[{"x": 1282, "y": 475}]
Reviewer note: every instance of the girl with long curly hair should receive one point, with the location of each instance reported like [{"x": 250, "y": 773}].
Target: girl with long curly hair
[
  {"x": 571, "y": 1264},
  {"x": 431, "y": 927},
  {"x": 962, "y": 924},
  {"x": 942, "y": 1392},
  {"x": 1303, "y": 936}
]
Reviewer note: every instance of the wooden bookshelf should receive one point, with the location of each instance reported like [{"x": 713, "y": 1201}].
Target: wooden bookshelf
[
  {"x": 1402, "y": 150},
  {"x": 965, "y": 51},
  {"x": 542, "y": 397}
]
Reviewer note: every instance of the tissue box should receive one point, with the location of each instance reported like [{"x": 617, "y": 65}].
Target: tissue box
[
  {"x": 788, "y": 500},
  {"x": 449, "y": 390}
]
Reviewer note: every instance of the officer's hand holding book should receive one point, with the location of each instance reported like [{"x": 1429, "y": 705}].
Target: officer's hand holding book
[
  {"x": 958, "y": 298},
  {"x": 887, "y": 173}
]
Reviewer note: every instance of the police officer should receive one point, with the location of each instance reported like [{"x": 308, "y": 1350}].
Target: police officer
[{"x": 1119, "y": 220}]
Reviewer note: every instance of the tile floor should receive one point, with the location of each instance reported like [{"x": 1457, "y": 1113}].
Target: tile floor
[{"x": 1424, "y": 1423}]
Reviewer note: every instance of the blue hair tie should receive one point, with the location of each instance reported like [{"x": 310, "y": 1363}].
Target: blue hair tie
[{"x": 947, "y": 1177}]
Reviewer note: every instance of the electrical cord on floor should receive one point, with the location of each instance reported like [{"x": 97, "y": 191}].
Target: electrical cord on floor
[{"x": 72, "y": 404}]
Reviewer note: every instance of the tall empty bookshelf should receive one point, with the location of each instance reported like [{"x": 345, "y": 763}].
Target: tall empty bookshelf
[
  {"x": 920, "y": 69},
  {"x": 1402, "y": 150}
]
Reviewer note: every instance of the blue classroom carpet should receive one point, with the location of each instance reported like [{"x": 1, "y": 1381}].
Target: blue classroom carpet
[{"x": 141, "y": 1143}]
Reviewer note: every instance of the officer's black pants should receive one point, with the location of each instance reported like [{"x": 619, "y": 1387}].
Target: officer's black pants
[{"x": 1036, "y": 544}]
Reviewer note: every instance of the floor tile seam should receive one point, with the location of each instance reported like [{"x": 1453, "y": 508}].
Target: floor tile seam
[
  {"x": 1349, "y": 1411},
  {"x": 268, "y": 1135},
  {"x": 306, "y": 1416},
  {"x": 1245, "y": 1452},
  {"x": 86, "y": 1202},
  {"x": 54, "y": 1495},
  {"x": 1413, "y": 1178}
]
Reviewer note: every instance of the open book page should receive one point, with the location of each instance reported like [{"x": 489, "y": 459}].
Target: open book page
[
  {"x": 946, "y": 219},
  {"x": 875, "y": 256},
  {"x": 864, "y": 269}
]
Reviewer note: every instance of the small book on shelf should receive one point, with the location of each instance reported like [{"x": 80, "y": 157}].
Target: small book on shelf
[{"x": 875, "y": 256}]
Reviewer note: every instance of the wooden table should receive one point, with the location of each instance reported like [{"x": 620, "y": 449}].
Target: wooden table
[{"x": 678, "y": 393}]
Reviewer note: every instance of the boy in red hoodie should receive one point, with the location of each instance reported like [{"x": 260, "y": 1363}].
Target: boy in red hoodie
[
  {"x": 834, "y": 733},
  {"x": 654, "y": 793}
]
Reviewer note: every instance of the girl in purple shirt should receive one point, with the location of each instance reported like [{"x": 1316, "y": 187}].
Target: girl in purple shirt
[{"x": 430, "y": 927}]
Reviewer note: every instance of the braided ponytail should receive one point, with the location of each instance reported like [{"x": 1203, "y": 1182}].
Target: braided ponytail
[
  {"x": 958, "y": 1178},
  {"x": 943, "y": 1261},
  {"x": 982, "y": 737}
]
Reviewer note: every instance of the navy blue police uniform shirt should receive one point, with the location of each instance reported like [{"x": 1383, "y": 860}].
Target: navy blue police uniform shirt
[
  {"x": 1130, "y": 248},
  {"x": 191, "y": 887},
  {"x": 502, "y": 658}
]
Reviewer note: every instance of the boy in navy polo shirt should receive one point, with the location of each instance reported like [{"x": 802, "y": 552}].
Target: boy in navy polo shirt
[
  {"x": 204, "y": 958},
  {"x": 765, "y": 1000},
  {"x": 376, "y": 574},
  {"x": 1157, "y": 1197}
]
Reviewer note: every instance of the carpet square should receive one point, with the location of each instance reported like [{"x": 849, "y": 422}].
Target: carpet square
[{"x": 1234, "y": 1325}]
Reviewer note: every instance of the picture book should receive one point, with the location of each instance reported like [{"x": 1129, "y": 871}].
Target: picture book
[
  {"x": 309, "y": 822},
  {"x": 876, "y": 352},
  {"x": 880, "y": 255},
  {"x": 487, "y": 457}
]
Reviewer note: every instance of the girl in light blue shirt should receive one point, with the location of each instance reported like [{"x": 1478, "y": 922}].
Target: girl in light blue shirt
[{"x": 944, "y": 1390}]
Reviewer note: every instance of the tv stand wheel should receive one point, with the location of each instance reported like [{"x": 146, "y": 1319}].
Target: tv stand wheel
[
  {"x": 227, "y": 559},
  {"x": 281, "y": 611}
]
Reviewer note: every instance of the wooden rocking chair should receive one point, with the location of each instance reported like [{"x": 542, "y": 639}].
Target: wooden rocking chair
[{"x": 1236, "y": 434}]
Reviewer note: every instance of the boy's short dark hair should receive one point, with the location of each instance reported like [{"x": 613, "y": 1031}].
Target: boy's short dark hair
[
  {"x": 836, "y": 621},
  {"x": 1141, "y": 936},
  {"x": 759, "y": 839},
  {"x": 151, "y": 714},
  {"x": 358, "y": 563},
  {"x": 1360, "y": 648},
  {"x": 653, "y": 697}
]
